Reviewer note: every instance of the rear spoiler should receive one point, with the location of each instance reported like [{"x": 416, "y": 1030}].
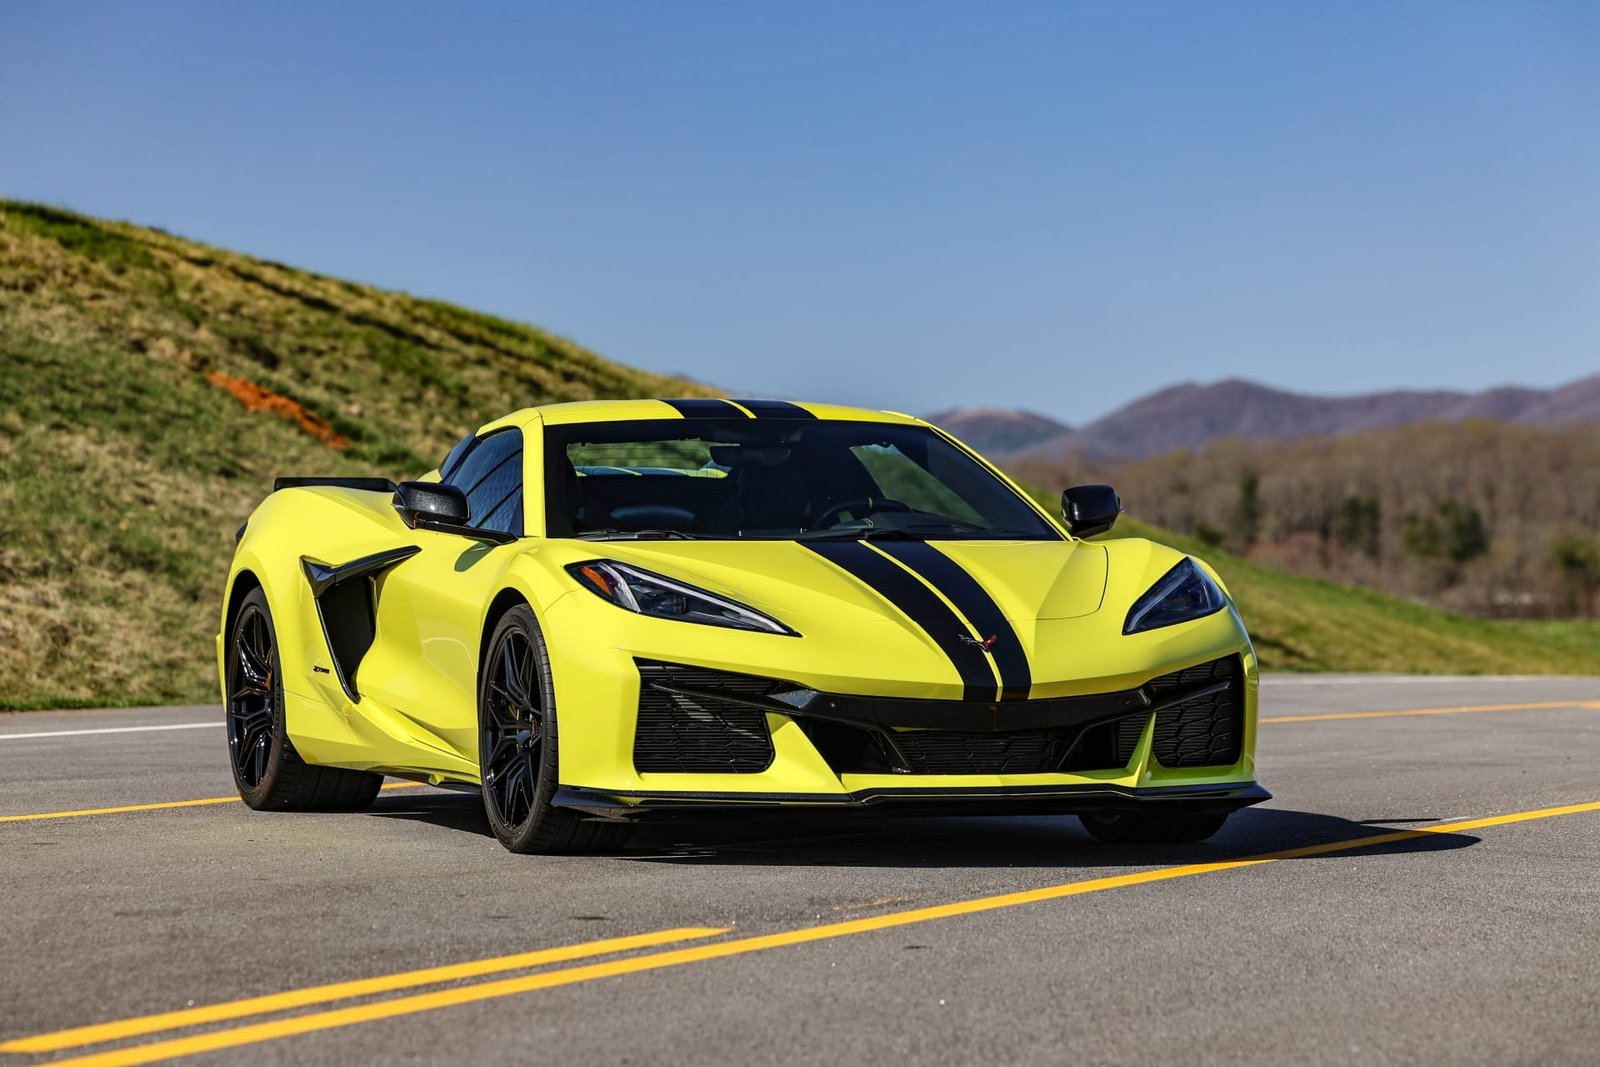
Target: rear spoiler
[{"x": 368, "y": 485}]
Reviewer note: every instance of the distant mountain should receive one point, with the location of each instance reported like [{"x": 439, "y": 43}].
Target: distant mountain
[
  {"x": 1191, "y": 415},
  {"x": 998, "y": 430}
]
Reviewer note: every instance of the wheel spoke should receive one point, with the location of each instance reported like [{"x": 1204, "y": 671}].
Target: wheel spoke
[
  {"x": 503, "y": 749},
  {"x": 525, "y": 680},
  {"x": 248, "y": 690},
  {"x": 510, "y": 787},
  {"x": 525, "y": 782},
  {"x": 511, "y": 676},
  {"x": 502, "y": 709},
  {"x": 254, "y": 670}
]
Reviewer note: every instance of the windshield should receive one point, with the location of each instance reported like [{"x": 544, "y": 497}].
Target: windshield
[{"x": 773, "y": 479}]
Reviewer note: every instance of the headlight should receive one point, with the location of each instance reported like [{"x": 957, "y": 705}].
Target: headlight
[
  {"x": 645, "y": 593},
  {"x": 1183, "y": 594}
]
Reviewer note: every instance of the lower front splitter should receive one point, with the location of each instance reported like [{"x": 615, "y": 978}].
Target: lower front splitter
[{"x": 945, "y": 800}]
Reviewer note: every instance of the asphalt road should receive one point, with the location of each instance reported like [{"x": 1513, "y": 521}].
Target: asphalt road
[{"x": 1459, "y": 936}]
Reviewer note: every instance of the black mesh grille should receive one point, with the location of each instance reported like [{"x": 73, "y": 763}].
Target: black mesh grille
[
  {"x": 1023, "y": 752},
  {"x": 1207, "y": 731},
  {"x": 696, "y": 732},
  {"x": 1128, "y": 733}
]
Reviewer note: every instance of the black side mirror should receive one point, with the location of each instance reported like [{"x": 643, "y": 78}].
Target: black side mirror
[
  {"x": 1090, "y": 509},
  {"x": 431, "y": 504}
]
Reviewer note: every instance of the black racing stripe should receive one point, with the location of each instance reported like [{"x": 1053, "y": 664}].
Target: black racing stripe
[
  {"x": 963, "y": 590},
  {"x": 705, "y": 408},
  {"x": 920, "y": 605},
  {"x": 775, "y": 409}
]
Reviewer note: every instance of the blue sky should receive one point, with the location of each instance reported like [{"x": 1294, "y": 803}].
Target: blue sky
[{"x": 915, "y": 205}]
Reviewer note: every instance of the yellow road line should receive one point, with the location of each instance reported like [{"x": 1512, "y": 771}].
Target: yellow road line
[
  {"x": 299, "y": 998},
  {"x": 157, "y": 806},
  {"x": 410, "y": 1005},
  {"x": 1324, "y": 717}
]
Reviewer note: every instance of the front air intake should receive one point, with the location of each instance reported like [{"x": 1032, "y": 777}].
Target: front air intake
[
  {"x": 1207, "y": 731},
  {"x": 684, "y": 727}
]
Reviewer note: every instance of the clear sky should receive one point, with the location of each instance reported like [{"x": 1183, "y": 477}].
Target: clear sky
[{"x": 908, "y": 205}]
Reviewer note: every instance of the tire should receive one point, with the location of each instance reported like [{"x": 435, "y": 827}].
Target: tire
[
  {"x": 1152, "y": 827},
  {"x": 517, "y": 747},
  {"x": 268, "y": 771}
]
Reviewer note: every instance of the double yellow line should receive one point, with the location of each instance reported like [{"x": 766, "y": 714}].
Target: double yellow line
[{"x": 312, "y": 1022}]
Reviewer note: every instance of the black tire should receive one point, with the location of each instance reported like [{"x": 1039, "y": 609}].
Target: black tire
[
  {"x": 1152, "y": 827},
  {"x": 268, "y": 771},
  {"x": 517, "y": 747}
]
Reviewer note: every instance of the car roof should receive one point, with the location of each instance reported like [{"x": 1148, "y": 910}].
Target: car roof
[{"x": 582, "y": 411}]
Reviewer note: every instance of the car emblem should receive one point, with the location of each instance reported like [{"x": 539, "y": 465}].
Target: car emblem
[{"x": 985, "y": 644}]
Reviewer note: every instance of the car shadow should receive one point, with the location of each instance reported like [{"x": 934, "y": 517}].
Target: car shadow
[{"x": 865, "y": 839}]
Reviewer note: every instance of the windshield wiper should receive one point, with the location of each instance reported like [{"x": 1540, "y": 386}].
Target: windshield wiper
[
  {"x": 861, "y": 533},
  {"x": 641, "y": 535}
]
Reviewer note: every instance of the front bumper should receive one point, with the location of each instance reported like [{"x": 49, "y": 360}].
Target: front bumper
[{"x": 597, "y": 654}]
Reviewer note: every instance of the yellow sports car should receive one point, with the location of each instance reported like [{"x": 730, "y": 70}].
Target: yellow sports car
[{"x": 606, "y": 611}]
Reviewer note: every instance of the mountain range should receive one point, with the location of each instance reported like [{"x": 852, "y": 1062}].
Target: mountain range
[
  {"x": 998, "y": 431},
  {"x": 1192, "y": 415}
]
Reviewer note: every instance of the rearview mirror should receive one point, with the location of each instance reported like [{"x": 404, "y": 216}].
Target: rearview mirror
[
  {"x": 1090, "y": 509},
  {"x": 431, "y": 503}
]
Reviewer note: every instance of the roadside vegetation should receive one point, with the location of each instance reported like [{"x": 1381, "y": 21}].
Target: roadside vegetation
[
  {"x": 1493, "y": 519},
  {"x": 1311, "y": 624},
  {"x": 150, "y": 389}
]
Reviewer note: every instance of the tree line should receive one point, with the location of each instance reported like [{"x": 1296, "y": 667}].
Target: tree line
[{"x": 1495, "y": 519}]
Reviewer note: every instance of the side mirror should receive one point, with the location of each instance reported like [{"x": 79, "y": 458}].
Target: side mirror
[
  {"x": 1090, "y": 509},
  {"x": 431, "y": 504}
]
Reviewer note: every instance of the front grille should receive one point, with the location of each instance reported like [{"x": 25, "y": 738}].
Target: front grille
[
  {"x": 694, "y": 732},
  {"x": 943, "y": 752},
  {"x": 697, "y": 720}
]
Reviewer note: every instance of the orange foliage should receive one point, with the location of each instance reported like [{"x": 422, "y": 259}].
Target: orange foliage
[{"x": 257, "y": 398}]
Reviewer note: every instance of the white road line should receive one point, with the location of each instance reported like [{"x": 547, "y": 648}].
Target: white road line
[{"x": 110, "y": 730}]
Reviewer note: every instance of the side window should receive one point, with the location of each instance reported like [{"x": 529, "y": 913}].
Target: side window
[
  {"x": 454, "y": 458},
  {"x": 491, "y": 475}
]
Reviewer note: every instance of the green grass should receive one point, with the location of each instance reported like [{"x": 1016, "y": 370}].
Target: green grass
[
  {"x": 126, "y": 470},
  {"x": 1304, "y": 624}
]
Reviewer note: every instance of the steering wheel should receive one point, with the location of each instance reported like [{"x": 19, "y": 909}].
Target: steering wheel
[{"x": 864, "y": 506}]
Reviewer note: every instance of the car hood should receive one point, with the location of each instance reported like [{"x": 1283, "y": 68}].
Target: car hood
[{"x": 1027, "y": 581}]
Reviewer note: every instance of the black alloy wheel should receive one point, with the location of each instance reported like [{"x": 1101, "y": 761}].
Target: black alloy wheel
[
  {"x": 513, "y": 723},
  {"x": 252, "y": 697},
  {"x": 517, "y": 753},
  {"x": 266, "y": 767}
]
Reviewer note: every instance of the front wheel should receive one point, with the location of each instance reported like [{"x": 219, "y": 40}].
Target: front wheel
[
  {"x": 1152, "y": 827},
  {"x": 517, "y": 755}
]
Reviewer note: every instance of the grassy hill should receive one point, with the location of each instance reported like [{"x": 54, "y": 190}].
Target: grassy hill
[{"x": 151, "y": 387}]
